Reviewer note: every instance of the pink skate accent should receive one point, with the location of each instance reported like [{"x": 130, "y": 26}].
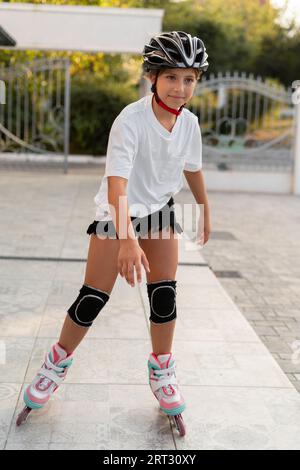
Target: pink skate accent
[
  {"x": 170, "y": 406},
  {"x": 164, "y": 364},
  {"x": 60, "y": 346},
  {"x": 55, "y": 355},
  {"x": 35, "y": 399},
  {"x": 155, "y": 358},
  {"x": 58, "y": 353}
]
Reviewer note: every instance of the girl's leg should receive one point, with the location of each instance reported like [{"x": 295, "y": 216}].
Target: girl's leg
[
  {"x": 101, "y": 273},
  {"x": 162, "y": 254}
]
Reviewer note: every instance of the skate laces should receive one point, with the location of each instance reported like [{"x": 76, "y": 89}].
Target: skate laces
[
  {"x": 46, "y": 379},
  {"x": 162, "y": 376},
  {"x": 44, "y": 383}
]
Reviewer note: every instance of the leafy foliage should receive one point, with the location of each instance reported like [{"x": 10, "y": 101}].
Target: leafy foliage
[{"x": 239, "y": 35}]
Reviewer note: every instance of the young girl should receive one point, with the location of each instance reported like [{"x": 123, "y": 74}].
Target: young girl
[{"x": 151, "y": 142}]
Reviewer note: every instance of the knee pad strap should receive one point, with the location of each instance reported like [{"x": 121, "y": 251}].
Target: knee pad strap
[
  {"x": 88, "y": 305},
  {"x": 162, "y": 299}
]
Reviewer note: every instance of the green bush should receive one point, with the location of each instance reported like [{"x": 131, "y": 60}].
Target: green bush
[{"x": 94, "y": 107}]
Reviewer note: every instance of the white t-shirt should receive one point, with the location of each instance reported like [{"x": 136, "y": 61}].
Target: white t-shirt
[{"x": 150, "y": 157}]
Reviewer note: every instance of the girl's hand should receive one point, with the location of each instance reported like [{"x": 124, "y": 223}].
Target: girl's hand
[
  {"x": 203, "y": 232},
  {"x": 207, "y": 230},
  {"x": 131, "y": 256}
]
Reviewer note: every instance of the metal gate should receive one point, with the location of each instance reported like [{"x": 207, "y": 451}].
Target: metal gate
[
  {"x": 245, "y": 123},
  {"x": 36, "y": 116}
]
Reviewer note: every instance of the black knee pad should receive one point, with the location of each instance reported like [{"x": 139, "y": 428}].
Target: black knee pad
[
  {"x": 162, "y": 299},
  {"x": 88, "y": 305}
]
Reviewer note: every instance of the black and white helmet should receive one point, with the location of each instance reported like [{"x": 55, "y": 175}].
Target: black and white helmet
[{"x": 175, "y": 49}]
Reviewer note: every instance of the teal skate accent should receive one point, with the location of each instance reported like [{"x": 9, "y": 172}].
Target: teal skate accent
[
  {"x": 31, "y": 404},
  {"x": 156, "y": 367},
  {"x": 66, "y": 363},
  {"x": 152, "y": 366}
]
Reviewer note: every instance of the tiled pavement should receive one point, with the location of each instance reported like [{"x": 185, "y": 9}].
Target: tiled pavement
[
  {"x": 237, "y": 395},
  {"x": 264, "y": 249}
]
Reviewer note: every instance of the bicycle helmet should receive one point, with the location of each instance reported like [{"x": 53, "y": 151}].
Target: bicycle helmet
[{"x": 175, "y": 49}]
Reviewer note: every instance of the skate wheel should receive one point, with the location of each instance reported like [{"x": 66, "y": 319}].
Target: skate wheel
[
  {"x": 23, "y": 415},
  {"x": 179, "y": 423}
]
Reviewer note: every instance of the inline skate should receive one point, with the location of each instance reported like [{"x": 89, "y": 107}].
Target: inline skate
[
  {"x": 46, "y": 382},
  {"x": 164, "y": 385}
]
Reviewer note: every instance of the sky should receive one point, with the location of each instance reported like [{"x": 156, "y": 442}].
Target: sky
[{"x": 293, "y": 9}]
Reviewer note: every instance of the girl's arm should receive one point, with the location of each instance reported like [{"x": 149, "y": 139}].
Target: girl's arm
[
  {"x": 131, "y": 257},
  {"x": 196, "y": 183},
  {"x": 116, "y": 195}
]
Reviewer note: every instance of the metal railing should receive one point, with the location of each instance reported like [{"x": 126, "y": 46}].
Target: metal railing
[
  {"x": 36, "y": 115},
  {"x": 245, "y": 122}
]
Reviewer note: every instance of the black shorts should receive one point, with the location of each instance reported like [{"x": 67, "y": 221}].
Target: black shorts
[{"x": 155, "y": 222}]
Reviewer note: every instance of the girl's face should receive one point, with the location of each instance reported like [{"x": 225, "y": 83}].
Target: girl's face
[{"x": 176, "y": 86}]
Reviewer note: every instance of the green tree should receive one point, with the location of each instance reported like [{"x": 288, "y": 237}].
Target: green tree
[{"x": 279, "y": 57}]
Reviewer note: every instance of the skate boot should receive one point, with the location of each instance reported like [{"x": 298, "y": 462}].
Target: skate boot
[
  {"x": 163, "y": 383},
  {"x": 47, "y": 380}
]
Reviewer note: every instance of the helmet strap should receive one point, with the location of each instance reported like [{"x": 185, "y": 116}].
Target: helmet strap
[{"x": 175, "y": 111}]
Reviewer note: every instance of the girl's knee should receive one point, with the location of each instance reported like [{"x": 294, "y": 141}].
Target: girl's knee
[
  {"x": 88, "y": 305},
  {"x": 162, "y": 299}
]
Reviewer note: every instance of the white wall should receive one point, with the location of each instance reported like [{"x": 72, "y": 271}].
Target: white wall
[
  {"x": 249, "y": 181},
  {"x": 78, "y": 28}
]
